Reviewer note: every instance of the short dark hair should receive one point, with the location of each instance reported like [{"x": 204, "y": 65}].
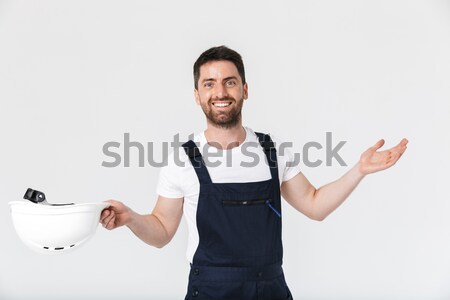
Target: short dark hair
[{"x": 217, "y": 54}]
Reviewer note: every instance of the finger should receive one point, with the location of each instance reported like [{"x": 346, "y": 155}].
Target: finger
[
  {"x": 402, "y": 150},
  {"x": 115, "y": 205},
  {"x": 402, "y": 144},
  {"x": 112, "y": 202},
  {"x": 110, "y": 224},
  {"x": 104, "y": 214},
  {"x": 399, "y": 149},
  {"x": 108, "y": 219},
  {"x": 378, "y": 145}
]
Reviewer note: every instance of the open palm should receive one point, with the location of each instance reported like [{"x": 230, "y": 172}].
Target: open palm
[{"x": 372, "y": 161}]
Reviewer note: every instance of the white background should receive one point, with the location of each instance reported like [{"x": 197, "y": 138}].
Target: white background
[{"x": 77, "y": 74}]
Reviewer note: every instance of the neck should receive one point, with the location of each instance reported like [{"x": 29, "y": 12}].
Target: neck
[{"x": 225, "y": 138}]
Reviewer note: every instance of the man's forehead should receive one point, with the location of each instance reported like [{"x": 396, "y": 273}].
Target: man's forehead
[{"x": 218, "y": 69}]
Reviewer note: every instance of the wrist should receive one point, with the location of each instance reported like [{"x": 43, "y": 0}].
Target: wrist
[
  {"x": 131, "y": 218},
  {"x": 359, "y": 173}
]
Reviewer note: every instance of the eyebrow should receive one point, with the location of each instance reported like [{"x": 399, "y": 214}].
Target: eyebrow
[{"x": 225, "y": 79}]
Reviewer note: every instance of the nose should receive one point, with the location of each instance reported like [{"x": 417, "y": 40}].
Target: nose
[{"x": 220, "y": 91}]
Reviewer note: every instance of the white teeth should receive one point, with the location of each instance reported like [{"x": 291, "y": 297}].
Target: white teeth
[{"x": 222, "y": 104}]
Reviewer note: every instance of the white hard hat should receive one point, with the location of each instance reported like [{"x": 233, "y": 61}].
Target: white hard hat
[{"x": 54, "y": 228}]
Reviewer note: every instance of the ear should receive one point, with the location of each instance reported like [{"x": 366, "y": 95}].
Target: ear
[
  {"x": 197, "y": 97},
  {"x": 245, "y": 91}
]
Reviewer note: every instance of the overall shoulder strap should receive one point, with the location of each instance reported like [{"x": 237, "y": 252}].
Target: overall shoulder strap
[
  {"x": 197, "y": 162},
  {"x": 270, "y": 151}
]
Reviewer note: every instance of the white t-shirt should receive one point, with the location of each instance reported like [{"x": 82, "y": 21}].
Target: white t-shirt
[{"x": 178, "y": 178}]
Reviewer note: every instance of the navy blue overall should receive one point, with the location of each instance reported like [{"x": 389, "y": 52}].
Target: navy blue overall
[{"x": 240, "y": 252}]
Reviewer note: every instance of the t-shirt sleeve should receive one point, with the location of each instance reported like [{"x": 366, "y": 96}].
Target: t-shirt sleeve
[
  {"x": 290, "y": 161},
  {"x": 292, "y": 166},
  {"x": 169, "y": 184}
]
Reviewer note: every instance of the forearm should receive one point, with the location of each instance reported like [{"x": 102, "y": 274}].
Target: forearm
[
  {"x": 149, "y": 229},
  {"x": 328, "y": 197}
]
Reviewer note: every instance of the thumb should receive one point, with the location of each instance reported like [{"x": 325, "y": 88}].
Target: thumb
[
  {"x": 378, "y": 145},
  {"x": 113, "y": 204}
]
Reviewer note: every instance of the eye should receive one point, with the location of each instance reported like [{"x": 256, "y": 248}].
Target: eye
[
  {"x": 231, "y": 83},
  {"x": 208, "y": 84}
]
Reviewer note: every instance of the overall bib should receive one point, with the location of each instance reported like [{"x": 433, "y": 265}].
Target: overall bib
[{"x": 240, "y": 252}]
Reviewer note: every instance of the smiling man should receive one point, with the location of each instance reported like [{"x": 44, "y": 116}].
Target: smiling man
[
  {"x": 233, "y": 211},
  {"x": 222, "y": 93}
]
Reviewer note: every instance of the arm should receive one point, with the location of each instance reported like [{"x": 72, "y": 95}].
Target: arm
[
  {"x": 317, "y": 204},
  {"x": 156, "y": 229}
]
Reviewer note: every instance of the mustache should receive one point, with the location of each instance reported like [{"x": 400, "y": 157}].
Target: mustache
[{"x": 228, "y": 98}]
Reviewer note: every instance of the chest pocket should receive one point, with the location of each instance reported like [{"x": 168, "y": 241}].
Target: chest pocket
[{"x": 267, "y": 202}]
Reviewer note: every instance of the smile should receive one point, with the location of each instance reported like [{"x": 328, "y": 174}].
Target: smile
[{"x": 221, "y": 104}]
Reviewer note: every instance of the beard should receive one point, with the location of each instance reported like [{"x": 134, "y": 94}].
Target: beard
[{"x": 224, "y": 119}]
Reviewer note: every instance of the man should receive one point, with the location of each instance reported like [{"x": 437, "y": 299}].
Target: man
[{"x": 234, "y": 212}]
